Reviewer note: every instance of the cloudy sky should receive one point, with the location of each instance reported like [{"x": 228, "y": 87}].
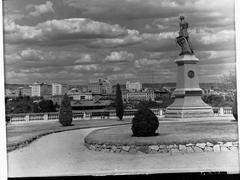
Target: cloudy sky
[{"x": 75, "y": 41}]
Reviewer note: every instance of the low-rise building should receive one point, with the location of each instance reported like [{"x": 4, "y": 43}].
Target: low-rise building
[
  {"x": 146, "y": 95},
  {"x": 76, "y": 94},
  {"x": 90, "y": 105},
  {"x": 23, "y": 91},
  {"x": 10, "y": 93},
  {"x": 59, "y": 89},
  {"x": 133, "y": 86}
]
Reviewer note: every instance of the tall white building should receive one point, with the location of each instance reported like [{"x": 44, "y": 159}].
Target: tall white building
[
  {"x": 101, "y": 86},
  {"x": 133, "y": 86},
  {"x": 40, "y": 89},
  {"x": 58, "y": 89}
]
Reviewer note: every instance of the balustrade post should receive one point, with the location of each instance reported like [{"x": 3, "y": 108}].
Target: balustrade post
[
  {"x": 45, "y": 117},
  {"x": 160, "y": 112},
  {"x": 27, "y": 118},
  {"x": 221, "y": 112}
]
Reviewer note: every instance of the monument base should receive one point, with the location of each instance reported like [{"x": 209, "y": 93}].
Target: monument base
[{"x": 189, "y": 107}]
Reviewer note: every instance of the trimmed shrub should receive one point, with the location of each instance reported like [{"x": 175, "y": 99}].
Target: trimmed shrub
[
  {"x": 144, "y": 123},
  {"x": 65, "y": 112},
  {"x": 234, "y": 107}
]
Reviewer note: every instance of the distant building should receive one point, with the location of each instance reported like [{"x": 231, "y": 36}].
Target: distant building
[
  {"x": 140, "y": 96},
  {"x": 40, "y": 89},
  {"x": 133, "y": 86},
  {"x": 76, "y": 94},
  {"x": 59, "y": 89},
  {"x": 101, "y": 86},
  {"x": 10, "y": 93},
  {"x": 124, "y": 94},
  {"x": 21, "y": 91},
  {"x": 158, "y": 94},
  {"x": 90, "y": 105}
]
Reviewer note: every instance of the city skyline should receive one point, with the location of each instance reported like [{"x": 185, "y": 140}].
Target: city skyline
[{"x": 74, "y": 41}]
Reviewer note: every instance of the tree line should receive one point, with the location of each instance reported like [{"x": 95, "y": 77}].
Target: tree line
[{"x": 26, "y": 104}]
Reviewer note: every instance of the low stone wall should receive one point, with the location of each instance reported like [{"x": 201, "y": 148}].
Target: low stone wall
[{"x": 186, "y": 148}]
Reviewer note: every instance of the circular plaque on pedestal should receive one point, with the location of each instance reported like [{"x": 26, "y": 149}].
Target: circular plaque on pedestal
[{"x": 191, "y": 74}]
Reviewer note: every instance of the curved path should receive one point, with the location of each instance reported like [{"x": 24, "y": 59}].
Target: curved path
[{"x": 65, "y": 154}]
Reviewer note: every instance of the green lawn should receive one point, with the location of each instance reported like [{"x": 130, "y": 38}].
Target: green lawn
[
  {"x": 22, "y": 134},
  {"x": 169, "y": 133}
]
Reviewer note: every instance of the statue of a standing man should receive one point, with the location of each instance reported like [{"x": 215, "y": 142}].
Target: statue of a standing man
[{"x": 183, "y": 38}]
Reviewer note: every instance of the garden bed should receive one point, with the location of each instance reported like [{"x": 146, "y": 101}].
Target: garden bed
[{"x": 173, "y": 136}]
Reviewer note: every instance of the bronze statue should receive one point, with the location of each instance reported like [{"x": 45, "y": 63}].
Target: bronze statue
[{"x": 183, "y": 38}]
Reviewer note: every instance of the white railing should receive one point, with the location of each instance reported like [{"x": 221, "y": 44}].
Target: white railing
[
  {"x": 95, "y": 114},
  {"x": 222, "y": 111}
]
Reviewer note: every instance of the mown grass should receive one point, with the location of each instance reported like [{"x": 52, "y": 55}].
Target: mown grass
[
  {"x": 23, "y": 134},
  {"x": 169, "y": 133}
]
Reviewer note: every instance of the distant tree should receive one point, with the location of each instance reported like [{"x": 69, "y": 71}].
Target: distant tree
[
  {"x": 65, "y": 112},
  {"x": 229, "y": 80},
  {"x": 234, "y": 107},
  {"x": 47, "y": 106},
  {"x": 35, "y": 108},
  {"x": 215, "y": 100},
  {"x": 56, "y": 106},
  {"x": 119, "y": 103},
  {"x": 7, "y": 118},
  {"x": 147, "y": 104},
  {"x": 166, "y": 100},
  {"x": 19, "y": 105}
]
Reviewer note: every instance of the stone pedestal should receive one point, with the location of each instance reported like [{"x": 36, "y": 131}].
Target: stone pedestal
[{"x": 188, "y": 102}]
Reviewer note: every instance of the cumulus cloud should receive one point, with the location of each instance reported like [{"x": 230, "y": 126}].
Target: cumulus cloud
[
  {"x": 31, "y": 54},
  {"x": 119, "y": 56},
  {"x": 133, "y": 9},
  {"x": 107, "y": 68},
  {"x": 41, "y": 9},
  {"x": 11, "y": 58},
  {"x": 121, "y": 76},
  {"x": 74, "y": 28},
  {"x": 88, "y": 67},
  {"x": 160, "y": 36},
  {"x": 216, "y": 37},
  {"x": 38, "y": 47},
  {"x": 31, "y": 58},
  {"x": 85, "y": 58},
  {"x": 132, "y": 37},
  {"x": 146, "y": 62}
]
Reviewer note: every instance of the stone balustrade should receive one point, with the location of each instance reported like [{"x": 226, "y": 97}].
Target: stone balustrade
[{"x": 95, "y": 114}]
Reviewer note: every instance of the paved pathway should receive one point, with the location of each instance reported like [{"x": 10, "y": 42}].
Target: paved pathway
[{"x": 65, "y": 154}]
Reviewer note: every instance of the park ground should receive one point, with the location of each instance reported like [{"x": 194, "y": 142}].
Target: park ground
[
  {"x": 64, "y": 153},
  {"x": 21, "y": 135}
]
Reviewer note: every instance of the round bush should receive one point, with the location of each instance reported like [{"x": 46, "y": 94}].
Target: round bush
[
  {"x": 144, "y": 123},
  {"x": 234, "y": 107}
]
